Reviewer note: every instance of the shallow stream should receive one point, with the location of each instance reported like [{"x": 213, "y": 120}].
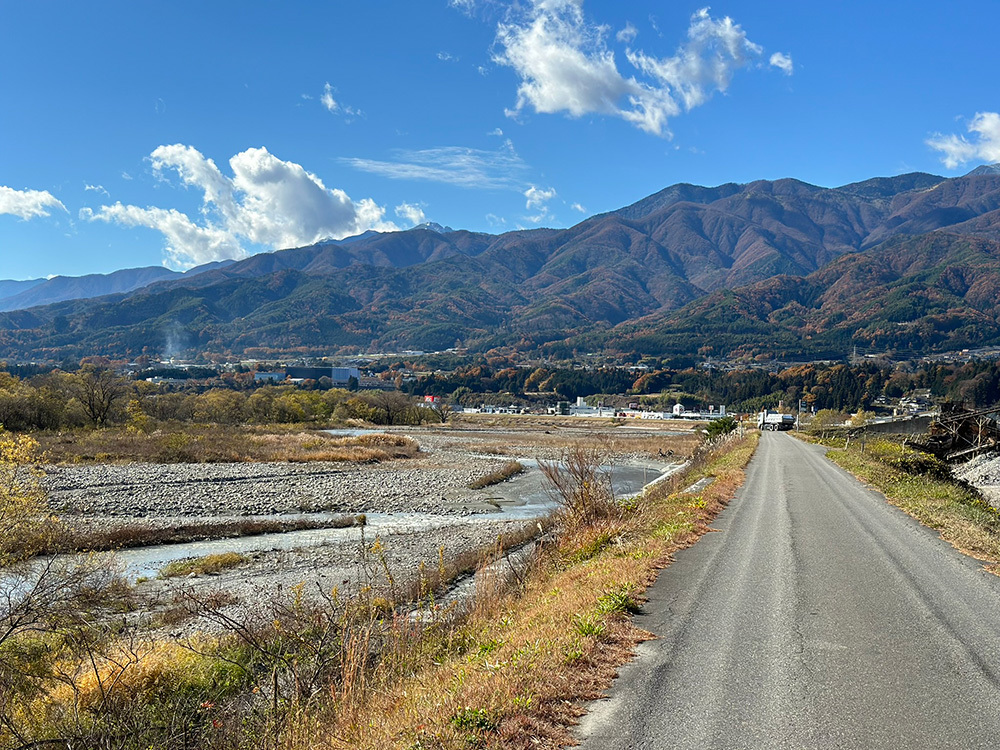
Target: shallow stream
[{"x": 523, "y": 497}]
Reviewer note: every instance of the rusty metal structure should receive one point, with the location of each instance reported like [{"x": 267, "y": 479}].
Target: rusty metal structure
[{"x": 959, "y": 433}]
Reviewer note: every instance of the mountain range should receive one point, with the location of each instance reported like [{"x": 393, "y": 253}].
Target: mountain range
[
  {"x": 908, "y": 264},
  {"x": 20, "y": 295}
]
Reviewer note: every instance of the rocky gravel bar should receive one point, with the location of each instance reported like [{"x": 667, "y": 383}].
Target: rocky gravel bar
[{"x": 261, "y": 489}]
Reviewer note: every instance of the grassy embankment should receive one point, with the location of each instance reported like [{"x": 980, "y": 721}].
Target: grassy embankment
[
  {"x": 923, "y": 487},
  {"x": 360, "y": 672},
  {"x": 183, "y": 443}
]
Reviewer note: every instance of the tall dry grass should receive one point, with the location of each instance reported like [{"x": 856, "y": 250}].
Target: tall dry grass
[{"x": 220, "y": 444}]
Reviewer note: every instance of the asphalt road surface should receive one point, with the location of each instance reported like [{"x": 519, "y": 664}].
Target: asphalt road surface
[{"x": 818, "y": 616}]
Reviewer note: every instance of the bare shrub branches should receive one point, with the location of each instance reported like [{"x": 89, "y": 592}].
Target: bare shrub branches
[{"x": 581, "y": 486}]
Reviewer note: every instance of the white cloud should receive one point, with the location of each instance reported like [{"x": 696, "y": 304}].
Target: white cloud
[
  {"x": 562, "y": 61},
  {"x": 327, "y": 99},
  {"x": 578, "y": 207},
  {"x": 985, "y": 146},
  {"x": 565, "y": 65},
  {"x": 126, "y": 176},
  {"x": 27, "y": 204},
  {"x": 454, "y": 165},
  {"x": 705, "y": 63},
  {"x": 446, "y": 57},
  {"x": 95, "y": 188},
  {"x": 266, "y": 202},
  {"x": 496, "y": 221},
  {"x": 187, "y": 243},
  {"x": 497, "y": 132},
  {"x": 411, "y": 213},
  {"x": 538, "y": 198},
  {"x": 628, "y": 34},
  {"x": 476, "y": 7},
  {"x": 335, "y": 107},
  {"x": 783, "y": 62}
]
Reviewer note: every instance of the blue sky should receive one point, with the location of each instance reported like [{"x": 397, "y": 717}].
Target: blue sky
[{"x": 141, "y": 133}]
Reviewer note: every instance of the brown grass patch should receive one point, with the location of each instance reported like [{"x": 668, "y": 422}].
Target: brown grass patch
[
  {"x": 505, "y": 472},
  {"x": 140, "y": 534},
  {"x": 177, "y": 443},
  {"x": 202, "y": 565}
]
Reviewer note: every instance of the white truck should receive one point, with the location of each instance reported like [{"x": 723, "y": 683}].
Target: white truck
[{"x": 773, "y": 420}]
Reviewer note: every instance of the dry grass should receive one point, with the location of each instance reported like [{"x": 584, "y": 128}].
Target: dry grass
[
  {"x": 220, "y": 444},
  {"x": 543, "y": 422},
  {"x": 142, "y": 534},
  {"x": 550, "y": 436},
  {"x": 918, "y": 484},
  {"x": 505, "y": 472},
  {"x": 202, "y": 565}
]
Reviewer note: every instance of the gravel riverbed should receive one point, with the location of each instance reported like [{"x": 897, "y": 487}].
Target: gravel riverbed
[
  {"x": 348, "y": 563},
  {"x": 431, "y": 486},
  {"x": 983, "y": 472},
  {"x": 142, "y": 490}
]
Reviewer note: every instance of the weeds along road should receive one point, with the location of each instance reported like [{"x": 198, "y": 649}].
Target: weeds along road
[{"x": 818, "y": 616}]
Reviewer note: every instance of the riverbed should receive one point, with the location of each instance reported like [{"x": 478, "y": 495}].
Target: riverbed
[{"x": 418, "y": 509}]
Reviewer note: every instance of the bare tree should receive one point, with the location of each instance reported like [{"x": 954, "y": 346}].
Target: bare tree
[
  {"x": 441, "y": 410},
  {"x": 393, "y": 406},
  {"x": 98, "y": 389}
]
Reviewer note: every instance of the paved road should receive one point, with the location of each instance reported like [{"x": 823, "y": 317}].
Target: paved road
[{"x": 817, "y": 617}]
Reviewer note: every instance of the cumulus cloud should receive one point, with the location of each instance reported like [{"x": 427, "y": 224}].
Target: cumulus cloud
[
  {"x": 453, "y": 165},
  {"x": 705, "y": 63},
  {"x": 187, "y": 243},
  {"x": 28, "y": 204},
  {"x": 411, "y": 213},
  {"x": 95, "y": 188},
  {"x": 578, "y": 207},
  {"x": 565, "y": 65},
  {"x": 538, "y": 198},
  {"x": 984, "y": 145},
  {"x": 782, "y": 62},
  {"x": 267, "y": 202}
]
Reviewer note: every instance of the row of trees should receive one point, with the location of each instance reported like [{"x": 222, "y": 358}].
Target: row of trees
[{"x": 95, "y": 396}]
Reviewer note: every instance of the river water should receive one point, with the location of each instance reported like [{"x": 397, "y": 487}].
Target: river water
[{"x": 523, "y": 497}]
